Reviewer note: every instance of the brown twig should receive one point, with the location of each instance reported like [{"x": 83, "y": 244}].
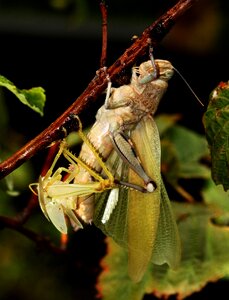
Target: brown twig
[
  {"x": 24, "y": 215},
  {"x": 103, "y": 9},
  {"x": 155, "y": 32},
  {"x": 41, "y": 241}
]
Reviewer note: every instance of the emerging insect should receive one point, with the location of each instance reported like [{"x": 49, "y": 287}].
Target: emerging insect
[
  {"x": 126, "y": 136},
  {"x": 57, "y": 198}
]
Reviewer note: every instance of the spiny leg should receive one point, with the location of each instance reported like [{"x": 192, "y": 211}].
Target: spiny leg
[
  {"x": 49, "y": 177},
  {"x": 95, "y": 152},
  {"x": 125, "y": 148},
  {"x": 60, "y": 151},
  {"x": 76, "y": 160}
]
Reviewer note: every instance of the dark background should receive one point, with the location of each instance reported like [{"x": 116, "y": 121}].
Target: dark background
[{"x": 56, "y": 44}]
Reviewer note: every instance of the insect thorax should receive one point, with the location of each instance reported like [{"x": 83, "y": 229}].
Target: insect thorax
[{"x": 149, "y": 95}]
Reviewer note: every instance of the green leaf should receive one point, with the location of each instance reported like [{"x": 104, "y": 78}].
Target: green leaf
[
  {"x": 216, "y": 197},
  {"x": 182, "y": 151},
  {"x": 216, "y": 122},
  {"x": 114, "y": 282},
  {"x": 190, "y": 147},
  {"x": 205, "y": 257},
  {"x": 34, "y": 97},
  {"x": 166, "y": 121}
]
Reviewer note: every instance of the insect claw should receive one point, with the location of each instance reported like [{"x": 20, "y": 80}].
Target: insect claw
[{"x": 31, "y": 188}]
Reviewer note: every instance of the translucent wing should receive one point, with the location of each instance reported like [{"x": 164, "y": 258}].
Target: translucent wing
[
  {"x": 167, "y": 246},
  {"x": 116, "y": 226},
  {"x": 56, "y": 215},
  {"x": 144, "y": 208},
  {"x": 76, "y": 224},
  {"x": 133, "y": 223},
  {"x": 110, "y": 205},
  {"x": 52, "y": 209},
  {"x": 41, "y": 197},
  {"x": 57, "y": 205},
  {"x": 136, "y": 222},
  {"x": 62, "y": 190}
]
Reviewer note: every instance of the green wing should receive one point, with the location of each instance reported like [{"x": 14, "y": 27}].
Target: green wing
[
  {"x": 144, "y": 208},
  {"x": 167, "y": 246},
  {"x": 116, "y": 226},
  {"x": 141, "y": 222}
]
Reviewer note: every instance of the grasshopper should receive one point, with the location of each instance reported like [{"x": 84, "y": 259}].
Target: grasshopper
[
  {"x": 121, "y": 150},
  {"x": 126, "y": 137}
]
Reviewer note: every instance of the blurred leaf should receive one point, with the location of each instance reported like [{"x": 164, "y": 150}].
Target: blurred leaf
[
  {"x": 205, "y": 257},
  {"x": 181, "y": 152},
  {"x": 218, "y": 199},
  {"x": 4, "y": 113},
  {"x": 165, "y": 121},
  {"x": 202, "y": 29},
  {"x": 216, "y": 122},
  {"x": 60, "y": 4},
  {"x": 34, "y": 97},
  {"x": 215, "y": 196},
  {"x": 190, "y": 148},
  {"x": 73, "y": 138},
  {"x": 181, "y": 148},
  {"x": 21, "y": 265}
]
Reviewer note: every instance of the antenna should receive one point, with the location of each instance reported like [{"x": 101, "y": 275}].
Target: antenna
[{"x": 188, "y": 85}]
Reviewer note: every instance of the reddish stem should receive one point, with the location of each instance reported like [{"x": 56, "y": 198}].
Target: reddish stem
[{"x": 103, "y": 9}]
